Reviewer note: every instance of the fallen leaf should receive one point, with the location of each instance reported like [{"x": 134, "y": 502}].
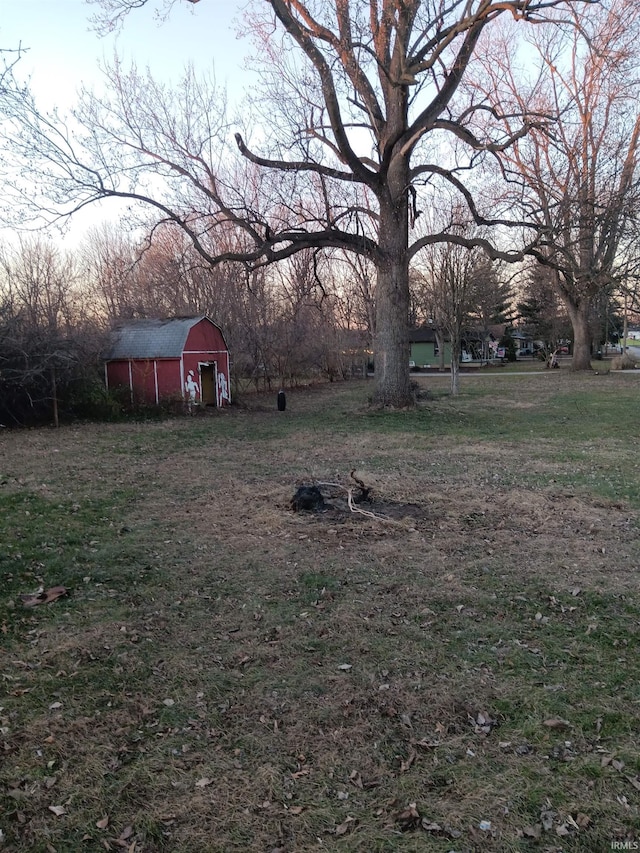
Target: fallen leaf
[
  {"x": 557, "y": 723},
  {"x": 127, "y": 832},
  {"x": 16, "y": 793},
  {"x": 356, "y": 779},
  {"x": 430, "y": 826},
  {"x": 346, "y": 826},
  {"x": 296, "y": 809},
  {"x": 103, "y": 824},
  {"x": 304, "y": 771},
  {"x": 43, "y": 597},
  {"x": 202, "y": 783},
  {"x": 582, "y": 820},
  {"x": 168, "y": 702},
  {"x": 406, "y": 764},
  {"x": 55, "y": 705},
  {"x": 58, "y": 810},
  {"x": 482, "y": 723},
  {"x": 409, "y": 817},
  {"x": 533, "y": 831},
  {"x": 635, "y": 781},
  {"x": 546, "y": 816}
]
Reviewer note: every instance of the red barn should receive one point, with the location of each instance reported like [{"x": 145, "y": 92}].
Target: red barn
[{"x": 179, "y": 358}]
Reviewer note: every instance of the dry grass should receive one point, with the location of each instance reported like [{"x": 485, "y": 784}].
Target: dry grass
[{"x": 228, "y": 675}]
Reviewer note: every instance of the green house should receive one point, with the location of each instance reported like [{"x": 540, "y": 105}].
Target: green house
[{"x": 424, "y": 348}]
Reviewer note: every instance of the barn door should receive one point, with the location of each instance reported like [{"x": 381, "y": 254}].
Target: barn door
[{"x": 208, "y": 383}]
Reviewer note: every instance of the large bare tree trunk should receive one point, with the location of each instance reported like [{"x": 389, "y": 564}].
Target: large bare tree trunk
[
  {"x": 391, "y": 347},
  {"x": 391, "y": 342},
  {"x": 579, "y": 316}
]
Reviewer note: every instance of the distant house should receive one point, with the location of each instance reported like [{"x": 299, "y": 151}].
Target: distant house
[
  {"x": 477, "y": 344},
  {"x": 424, "y": 347},
  {"x": 180, "y": 358}
]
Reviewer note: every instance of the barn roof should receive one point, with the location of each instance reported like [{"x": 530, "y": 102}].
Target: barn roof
[{"x": 151, "y": 338}]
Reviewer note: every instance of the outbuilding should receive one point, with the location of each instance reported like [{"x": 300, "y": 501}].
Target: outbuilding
[{"x": 179, "y": 358}]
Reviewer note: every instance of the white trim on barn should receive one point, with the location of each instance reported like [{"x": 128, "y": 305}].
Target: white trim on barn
[
  {"x": 130, "y": 381},
  {"x": 155, "y": 379}
]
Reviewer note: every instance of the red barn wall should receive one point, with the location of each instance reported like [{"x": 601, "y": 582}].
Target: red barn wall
[
  {"x": 117, "y": 374},
  {"x": 144, "y": 381},
  {"x": 146, "y": 376},
  {"x": 205, "y": 337},
  {"x": 169, "y": 379}
]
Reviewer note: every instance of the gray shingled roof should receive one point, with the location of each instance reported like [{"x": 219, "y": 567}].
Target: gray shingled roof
[
  {"x": 425, "y": 334},
  {"x": 151, "y": 338}
]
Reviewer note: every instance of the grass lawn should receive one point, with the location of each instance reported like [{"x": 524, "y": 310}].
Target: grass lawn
[{"x": 456, "y": 671}]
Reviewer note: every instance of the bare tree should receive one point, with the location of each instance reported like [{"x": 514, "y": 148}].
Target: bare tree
[
  {"x": 448, "y": 292},
  {"x": 109, "y": 259},
  {"x": 359, "y": 111},
  {"x": 581, "y": 168},
  {"x": 42, "y": 282},
  {"x": 355, "y": 288},
  {"x": 47, "y": 346}
]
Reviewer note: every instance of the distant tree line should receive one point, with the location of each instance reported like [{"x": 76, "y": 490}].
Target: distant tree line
[{"x": 311, "y": 317}]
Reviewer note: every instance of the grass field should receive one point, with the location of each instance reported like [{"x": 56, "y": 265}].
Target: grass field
[{"x": 458, "y": 671}]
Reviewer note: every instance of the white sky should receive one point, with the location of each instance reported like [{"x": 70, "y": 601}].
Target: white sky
[{"x": 64, "y": 52}]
